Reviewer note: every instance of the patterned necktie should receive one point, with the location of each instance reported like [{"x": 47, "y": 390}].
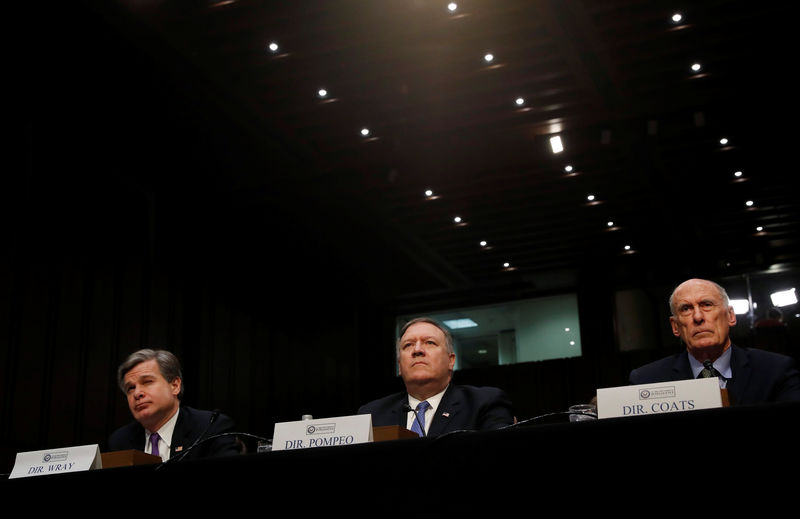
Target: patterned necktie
[
  {"x": 419, "y": 420},
  {"x": 154, "y": 444},
  {"x": 708, "y": 370}
]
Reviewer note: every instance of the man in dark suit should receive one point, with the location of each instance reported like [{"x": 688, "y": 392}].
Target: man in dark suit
[
  {"x": 153, "y": 385},
  {"x": 426, "y": 357},
  {"x": 702, "y": 317}
]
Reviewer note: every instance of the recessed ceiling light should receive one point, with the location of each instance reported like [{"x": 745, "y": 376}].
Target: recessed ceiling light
[
  {"x": 519, "y": 101},
  {"x": 737, "y": 174},
  {"x": 457, "y": 219},
  {"x": 452, "y": 6},
  {"x": 506, "y": 264},
  {"x": 322, "y": 92},
  {"x": 428, "y": 192},
  {"x": 696, "y": 67},
  {"x": 568, "y": 169},
  {"x": 610, "y": 224},
  {"x": 364, "y": 131},
  {"x": 556, "y": 144},
  {"x": 572, "y": 343},
  {"x": 723, "y": 141},
  {"x": 759, "y": 228},
  {"x": 677, "y": 17},
  {"x": 273, "y": 47},
  {"x": 455, "y": 324},
  {"x": 627, "y": 247},
  {"x": 590, "y": 198},
  {"x": 566, "y": 329},
  {"x": 483, "y": 243},
  {"x": 749, "y": 203},
  {"x": 488, "y": 57}
]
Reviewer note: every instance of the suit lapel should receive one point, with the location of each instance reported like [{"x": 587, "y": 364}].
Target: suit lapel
[
  {"x": 180, "y": 433},
  {"x": 448, "y": 407},
  {"x": 740, "y": 374},
  {"x": 681, "y": 370}
]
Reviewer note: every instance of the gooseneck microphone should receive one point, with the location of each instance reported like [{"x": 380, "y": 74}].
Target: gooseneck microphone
[{"x": 406, "y": 408}]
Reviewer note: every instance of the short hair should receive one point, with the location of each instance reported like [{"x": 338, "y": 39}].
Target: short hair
[
  {"x": 168, "y": 365},
  {"x": 448, "y": 337},
  {"x": 723, "y": 294}
]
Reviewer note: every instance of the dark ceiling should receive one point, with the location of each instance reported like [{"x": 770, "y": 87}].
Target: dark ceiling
[{"x": 612, "y": 78}]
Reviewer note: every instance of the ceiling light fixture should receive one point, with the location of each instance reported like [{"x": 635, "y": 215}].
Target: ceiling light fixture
[
  {"x": 519, "y": 101},
  {"x": 590, "y": 198},
  {"x": 677, "y": 17},
  {"x": 723, "y": 141},
  {"x": 455, "y": 324},
  {"x": 457, "y": 219},
  {"x": 610, "y": 223},
  {"x": 322, "y": 92},
  {"x": 489, "y": 57},
  {"x": 737, "y": 174},
  {"x": 273, "y": 47},
  {"x": 759, "y": 228},
  {"x": 483, "y": 243},
  {"x": 364, "y": 131},
  {"x": 428, "y": 192},
  {"x": 568, "y": 169},
  {"x": 556, "y": 145},
  {"x": 506, "y": 264},
  {"x": 452, "y": 6},
  {"x": 696, "y": 67},
  {"x": 749, "y": 203}
]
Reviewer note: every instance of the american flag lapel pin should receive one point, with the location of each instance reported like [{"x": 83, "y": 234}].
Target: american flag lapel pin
[
  {"x": 446, "y": 414},
  {"x": 179, "y": 448}
]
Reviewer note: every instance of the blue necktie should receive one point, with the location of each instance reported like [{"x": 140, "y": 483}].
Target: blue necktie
[{"x": 420, "y": 418}]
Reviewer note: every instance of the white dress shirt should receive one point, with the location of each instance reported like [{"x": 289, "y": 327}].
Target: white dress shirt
[
  {"x": 430, "y": 412},
  {"x": 165, "y": 438}
]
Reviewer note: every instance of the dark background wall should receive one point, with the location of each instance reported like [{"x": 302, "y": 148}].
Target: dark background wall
[{"x": 126, "y": 227}]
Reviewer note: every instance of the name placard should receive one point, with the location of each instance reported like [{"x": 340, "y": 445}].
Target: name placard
[
  {"x": 662, "y": 397},
  {"x": 56, "y": 461},
  {"x": 322, "y": 432}
]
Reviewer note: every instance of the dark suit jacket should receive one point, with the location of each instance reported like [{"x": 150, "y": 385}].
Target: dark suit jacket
[
  {"x": 461, "y": 408},
  {"x": 757, "y": 376},
  {"x": 190, "y": 425}
]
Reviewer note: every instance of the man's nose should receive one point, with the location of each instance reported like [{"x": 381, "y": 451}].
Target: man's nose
[
  {"x": 137, "y": 393},
  {"x": 418, "y": 349},
  {"x": 697, "y": 315}
]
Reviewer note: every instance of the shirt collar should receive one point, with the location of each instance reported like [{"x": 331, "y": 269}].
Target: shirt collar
[
  {"x": 432, "y": 401},
  {"x": 722, "y": 364},
  {"x": 166, "y": 430}
]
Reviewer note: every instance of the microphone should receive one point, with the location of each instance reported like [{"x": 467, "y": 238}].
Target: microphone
[{"x": 407, "y": 408}]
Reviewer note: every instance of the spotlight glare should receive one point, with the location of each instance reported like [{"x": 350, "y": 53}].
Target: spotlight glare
[
  {"x": 428, "y": 192},
  {"x": 273, "y": 47},
  {"x": 696, "y": 67},
  {"x": 677, "y": 17},
  {"x": 364, "y": 131},
  {"x": 452, "y": 6},
  {"x": 489, "y": 57},
  {"x": 457, "y": 219}
]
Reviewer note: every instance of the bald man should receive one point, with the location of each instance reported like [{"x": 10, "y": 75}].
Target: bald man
[{"x": 702, "y": 317}]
